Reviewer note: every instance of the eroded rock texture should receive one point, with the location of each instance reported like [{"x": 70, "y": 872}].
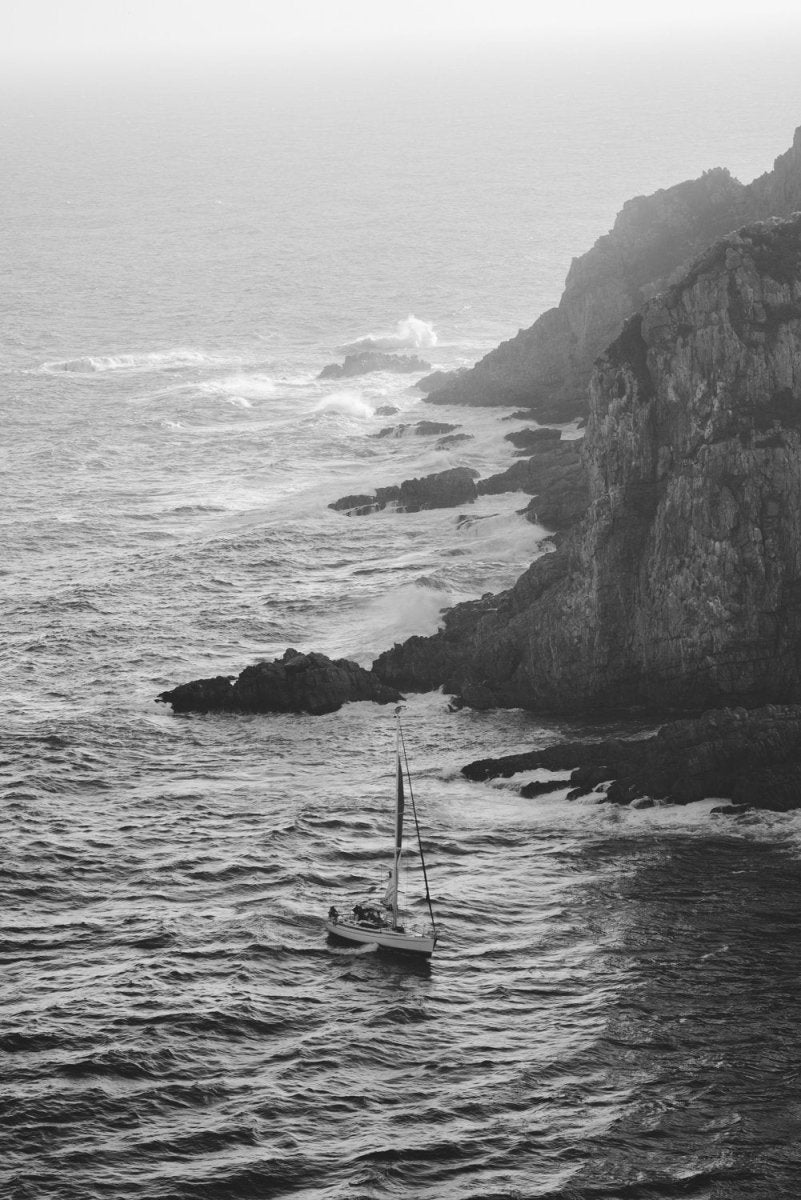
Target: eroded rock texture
[
  {"x": 444, "y": 489},
  {"x": 547, "y": 366},
  {"x": 749, "y": 757},
  {"x": 367, "y": 361},
  {"x": 682, "y": 586},
  {"x": 308, "y": 683}
]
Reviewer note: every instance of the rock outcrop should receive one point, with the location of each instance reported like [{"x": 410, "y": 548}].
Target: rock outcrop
[
  {"x": 547, "y": 366},
  {"x": 419, "y": 429},
  {"x": 682, "y": 586},
  {"x": 748, "y": 757},
  {"x": 553, "y": 473},
  {"x": 367, "y": 361},
  {"x": 297, "y": 683},
  {"x": 444, "y": 489}
]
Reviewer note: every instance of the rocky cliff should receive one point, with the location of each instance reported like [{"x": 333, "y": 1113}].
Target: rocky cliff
[
  {"x": 547, "y": 366},
  {"x": 682, "y": 586}
]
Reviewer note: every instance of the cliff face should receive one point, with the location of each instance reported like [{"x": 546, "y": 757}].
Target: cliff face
[
  {"x": 547, "y": 367},
  {"x": 683, "y": 584}
]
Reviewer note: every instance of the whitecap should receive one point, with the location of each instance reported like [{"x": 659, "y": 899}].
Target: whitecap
[
  {"x": 240, "y": 388},
  {"x": 348, "y": 404},
  {"x": 91, "y": 364},
  {"x": 410, "y": 333}
]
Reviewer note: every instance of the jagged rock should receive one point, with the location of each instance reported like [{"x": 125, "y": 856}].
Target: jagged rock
[
  {"x": 386, "y": 410},
  {"x": 592, "y": 775},
  {"x": 307, "y": 683},
  {"x": 421, "y": 429},
  {"x": 540, "y": 787},
  {"x": 437, "y": 379},
  {"x": 444, "y": 489},
  {"x": 682, "y": 586},
  {"x": 453, "y": 439},
  {"x": 547, "y": 367},
  {"x": 373, "y": 360},
  {"x": 554, "y": 474},
  {"x": 751, "y": 757}
]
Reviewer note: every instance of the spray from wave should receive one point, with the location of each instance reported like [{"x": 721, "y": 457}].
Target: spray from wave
[
  {"x": 348, "y": 404},
  {"x": 411, "y": 608},
  {"x": 409, "y": 334}
]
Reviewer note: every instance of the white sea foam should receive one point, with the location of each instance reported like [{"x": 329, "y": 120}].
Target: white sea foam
[
  {"x": 91, "y": 364},
  {"x": 240, "y": 387},
  {"x": 410, "y": 334},
  {"x": 397, "y": 614},
  {"x": 348, "y": 403}
]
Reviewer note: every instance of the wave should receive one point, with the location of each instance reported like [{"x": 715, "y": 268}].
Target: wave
[
  {"x": 408, "y": 609},
  {"x": 410, "y": 334},
  {"x": 240, "y": 388},
  {"x": 91, "y": 364},
  {"x": 349, "y": 404}
]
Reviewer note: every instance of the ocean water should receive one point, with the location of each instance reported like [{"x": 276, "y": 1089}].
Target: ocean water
[{"x": 613, "y": 1006}]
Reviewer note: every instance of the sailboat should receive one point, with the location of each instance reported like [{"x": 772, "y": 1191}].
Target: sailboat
[{"x": 382, "y": 923}]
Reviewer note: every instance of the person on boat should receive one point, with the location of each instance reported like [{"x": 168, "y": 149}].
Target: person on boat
[
  {"x": 389, "y": 893},
  {"x": 366, "y": 914},
  {"x": 333, "y": 915}
]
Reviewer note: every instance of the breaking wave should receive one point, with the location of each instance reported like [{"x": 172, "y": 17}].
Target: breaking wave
[
  {"x": 411, "y": 334},
  {"x": 90, "y": 364},
  {"x": 349, "y": 404}
]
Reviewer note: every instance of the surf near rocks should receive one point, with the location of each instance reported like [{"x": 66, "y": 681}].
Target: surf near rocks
[
  {"x": 367, "y": 361},
  {"x": 751, "y": 758},
  {"x": 294, "y": 683},
  {"x": 679, "y": 589},
  {"x": 444, "y": 489}
]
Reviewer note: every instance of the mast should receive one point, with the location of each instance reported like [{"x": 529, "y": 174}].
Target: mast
[
  {"x": 392, "y": 890},
  {"x": 419, "y": 839}
]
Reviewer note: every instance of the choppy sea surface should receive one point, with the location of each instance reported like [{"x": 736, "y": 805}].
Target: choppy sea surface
[{"x": 613, "y": 1007}]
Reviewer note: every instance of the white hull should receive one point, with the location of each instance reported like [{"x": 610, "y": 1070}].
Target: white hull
[{"x": 387, "y": 939}]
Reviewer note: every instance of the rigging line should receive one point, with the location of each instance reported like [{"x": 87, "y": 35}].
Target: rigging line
[{"x": 417, "y": 826}]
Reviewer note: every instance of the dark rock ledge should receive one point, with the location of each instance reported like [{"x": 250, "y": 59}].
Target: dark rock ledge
[
  {"x": 297, "y": 683},
  {"x": 552, "y": 472},
  {"x": 750, "y": 757},
  {"x": 445, "y": 489},
  {"x": 367, "y": 361},
  {"x": 420, "y": 429}
]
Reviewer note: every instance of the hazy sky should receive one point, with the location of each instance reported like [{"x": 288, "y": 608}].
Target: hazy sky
[{"x": 44, "y": 32}]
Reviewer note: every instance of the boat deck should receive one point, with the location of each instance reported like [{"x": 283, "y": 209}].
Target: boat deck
[{"x": 366, "y": 933}]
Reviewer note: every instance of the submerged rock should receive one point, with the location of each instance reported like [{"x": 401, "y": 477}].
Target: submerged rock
[
  {"x": 299, "y": 683},
  {"x": 419, "y": 429},
  {"x": 367, "y": 361},
  {"x": 451, "y": 440}
]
